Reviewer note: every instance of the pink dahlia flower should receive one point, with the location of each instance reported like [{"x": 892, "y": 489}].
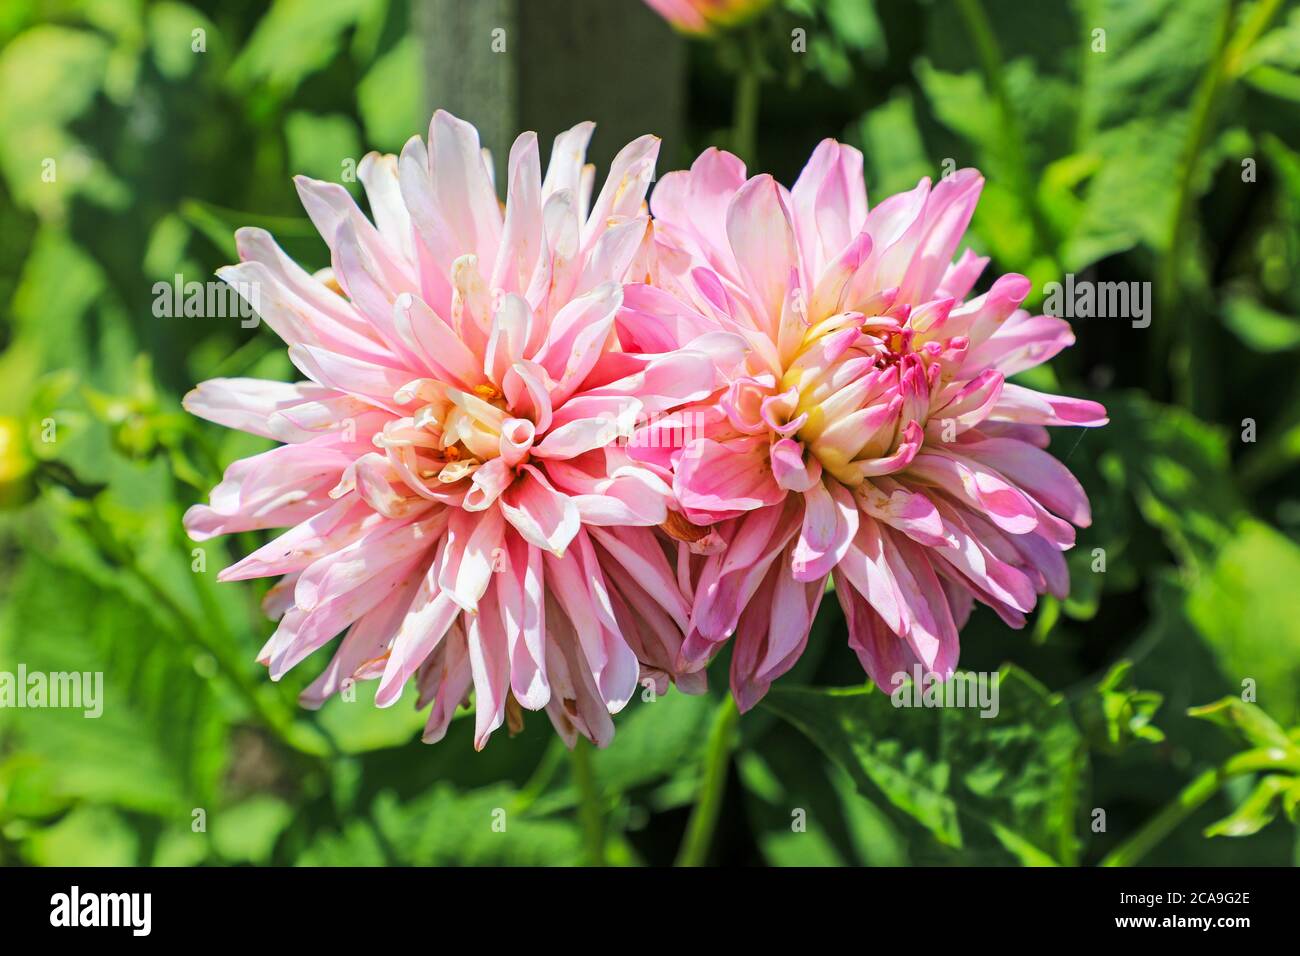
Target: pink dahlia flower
[
  {"x": 453, "y": 482},
  {"x": 870, "y": 435},
  {"x": 704, "y": 17}
]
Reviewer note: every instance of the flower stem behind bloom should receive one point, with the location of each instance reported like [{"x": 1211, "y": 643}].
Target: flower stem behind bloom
[
  {"x": 589, "y": 809},
  {"x": 704, "y": 818}
]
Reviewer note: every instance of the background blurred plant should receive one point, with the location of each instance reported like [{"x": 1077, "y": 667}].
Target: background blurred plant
[{"x": 1121, "y": 141}]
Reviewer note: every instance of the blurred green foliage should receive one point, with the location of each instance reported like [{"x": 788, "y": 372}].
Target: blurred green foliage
[{"x": 136, "y": 136}]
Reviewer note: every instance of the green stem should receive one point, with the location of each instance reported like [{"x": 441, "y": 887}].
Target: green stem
[
  {"x": 542, "y": 775},
  {"x": 589, "y": 811},
  {"x": 744, "y": 123},
  {"x": 1197, "y": 364},
  {"x": 1012, "y": 139},
  {"x": 1188, "y": 801},
  {"x": 744, "y": 115},
  {"x": 704, "y": 818},
  {"x": 1194, "y": 795}
]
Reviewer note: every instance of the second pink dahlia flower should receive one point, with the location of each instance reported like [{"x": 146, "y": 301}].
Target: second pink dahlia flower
[
  {"x": 871, "y": 434},
  {"x": 705, "y": 17},
  {"x": 453, "y": 483}
]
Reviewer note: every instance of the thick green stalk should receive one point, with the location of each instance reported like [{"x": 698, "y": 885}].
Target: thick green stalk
[
  {"x": 589, "y": 808},
  {"x": 1188, "y": 801},
  {"x": 708, "y": 803},
  {"x": 1195, "y": 371},
  {"x": 1193, "y": 796},
  {"x": 744, "y": 123}
]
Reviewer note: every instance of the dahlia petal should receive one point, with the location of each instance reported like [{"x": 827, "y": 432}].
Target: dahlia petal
[
  {"x": 431, "y": 613},
  {"x": 1037, "y": 472},
  {"x": 452, "y": 680},
  {"x": 578, "y": 333},
  {"x": 794, "y": 606},
  {"x": 716, "y": 480},
  {"x": 624, "y": 191},
  {"x": 830, "y": 522},
  {"x": 1024, "y": 405},
  {"x": 864, "y": 566},
  {"x": 323, "y": 533},
  {"x": 613, "y": 252},
  {"x": 375, "y": 384},
  {"x": 475, "y": 550},
  {"x": 489, "y": 481},
  {"x": 930, "y": 630},
  {"x": 489, "y": 658},
  {"x": 629, "y": 497},
  {"x": 575, "y": 706},
  {"x": 588, "y": 422},
  {"x": 303, "y": 631},
  {"x": 885, "y": 656},
  {"x": 762, "y": 239},
  {"x": 461, "y": 189},
  {"x": 579, "y": 589},
  {"x": 364, "y": 645},
  {"x": 348, "y": 567},
  {"x": 789, "y": 468},
  {"x": 545, "y": 517},
  {"x": 962, "y": 275},
  {"x": 639, "y": 558},
  {"x": 979, "y": 486},
  {"x": 911, "y": 512},
  {"x": 948, "y": 212},
  {"x": 999, "y": 582},
  {"x": 901, "y": 458},
  {"x": 968, "y": 405},
  {"x": 523, "y": 614},
  {"x": 568, "y": 153},
  {"x": 248, "y": 403},
  {"x": 332, "y": 317},
  {"x": 730, "y": 577},
  {"x": 510, "y": 333},
  {"x": 378, "y": 174},
  {"x": 521, "y": 234},
  {"x": 829, "y": 203}
]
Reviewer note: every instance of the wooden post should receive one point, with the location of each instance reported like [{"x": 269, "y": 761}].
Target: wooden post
[{"x": 513, "y": 65}]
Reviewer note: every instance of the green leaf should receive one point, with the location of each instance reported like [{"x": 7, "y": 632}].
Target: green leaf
[
  {"x": 1174, "y": 466},
  {"x": 296, "y": 38},
  {"x": 657, "y": 739},
  {"x": 1114, "y": 714},
  {"x": 1248, "y": 721},
  {"x": 443, "y": 828},
  {"x": 88, "y": 836},
  {"x": 358, "y": 726},
  {"x": 49, "y": 76},
  {"x": 1260, "y": 327},
  {"x": 323, "y": 146},
  {"x": 246, "y": 832},
  {"x": 892, "y": 147},
  {"x": 390, "y": 98},
  {"x": 998, "y": 786},
  {"x": 159, "y": 744},
  {"x": 1247, "y": 607},
  {"x": 171, "y": 37},
  {"x": 807, "y": 811},
  {"x": 1258, "y": 809}
]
